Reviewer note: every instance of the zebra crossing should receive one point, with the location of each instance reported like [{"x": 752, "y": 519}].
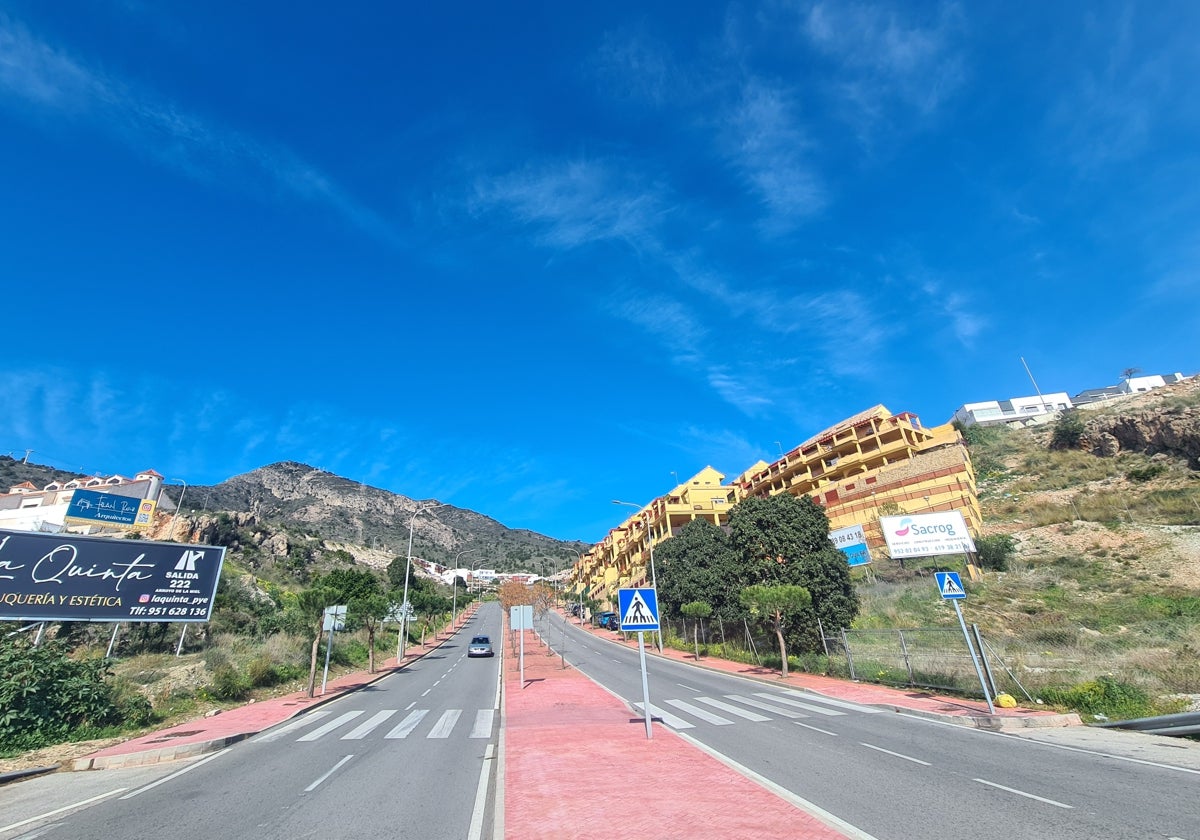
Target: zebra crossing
[
  {"x": 754, "y": 707},
  {"x": 318, "y": 725}
]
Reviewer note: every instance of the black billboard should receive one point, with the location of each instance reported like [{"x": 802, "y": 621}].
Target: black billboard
[{"x": 60, "y": 577}]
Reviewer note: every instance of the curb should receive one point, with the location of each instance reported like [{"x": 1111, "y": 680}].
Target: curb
[
  {"x": 991, "y": 723},
  {"x": 157, "y": 755}
]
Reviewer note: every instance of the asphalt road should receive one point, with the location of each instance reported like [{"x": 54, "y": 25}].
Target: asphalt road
[
  {"x": 893, "y": 776},
  {"x": 409, "y": 756}
]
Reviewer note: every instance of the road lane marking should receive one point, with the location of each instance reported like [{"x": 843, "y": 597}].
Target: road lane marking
[
  {"x": 176, "y": 774},
  {"x": 63, "y": 809},
  {"x": 806, "y": 706},
  {"x": 896, "y": 754},
  {"x": 475, "y": 832},
  {"x": 688, "y": 687},
  {"x": 410, "y": 705},
  {"x": 298, "y": 723},
  {"x": 445, "y": 723},
  {"x": 666, "y": 717},
  {"x": 766, "y": 707},
  {"x": 815, "y": 728},
  {"x": 363, "y": 729},
  {"x": 332, "y": 770},
  {"x": 821, "y": 698},
  {"x": 1023, "y": 793},
  {"x": 406, "y": 726},
  {"x": 483, "y": 724},
  {"x": 733, "y": 710},
  {"x": 426, "y": 691},
  {"x": 329, "y": 727},
  {"x": 700, "y": 713},
  {"x": 833, "y": 821}
]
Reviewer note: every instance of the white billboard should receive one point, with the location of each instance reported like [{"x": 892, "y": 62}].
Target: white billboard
[{"x": 926, "y": 534}]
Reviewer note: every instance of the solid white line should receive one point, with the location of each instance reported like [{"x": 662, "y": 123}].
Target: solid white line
[
  {"x": 175, "y": 774},
  {"x": 362, "y": 730},
  {"x": 775, "y": 698},
  {"x": 666, "y": 717},
  {"x": 298, "y": 723},
  {"x": 483, "y": 724},
  {"x": 834, "y": 822},
  {"x": 1023, "y": 793},
  {"x": 684, "y": 706},
  {"x": 815, "y": 728},
  {"x": 896, "y": 754},
  {"x": 332, "y": 770},
  {"x": 733, "y": 710},
  {"x": 61, "y": 810},
  {"x": 821, "y": 698},
  {"x": 329, "y": 727},
  {"x": 476, "y": 830}
]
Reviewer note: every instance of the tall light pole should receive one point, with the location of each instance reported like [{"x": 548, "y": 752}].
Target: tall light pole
[
  {"x": 454, "y": 583},
  {"x": 179, "y": 507},
  {"x": 407, "y": 570},
  {"x": 650, "y": 543},
  {"x": 579, "y": 580}
]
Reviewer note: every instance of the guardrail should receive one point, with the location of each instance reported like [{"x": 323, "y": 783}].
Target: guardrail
[{"x": 1178, "y": 725}]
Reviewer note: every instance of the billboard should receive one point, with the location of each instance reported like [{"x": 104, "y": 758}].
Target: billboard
[
  {"x": 926, "y": 534},
  {"x": 59, "y": 577},
  {"x": 853, "y": 543},
  {"x": 92, "y": 507}
]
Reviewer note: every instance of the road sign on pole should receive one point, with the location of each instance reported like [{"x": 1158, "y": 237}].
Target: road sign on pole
[
  {"x": 951, "y": 589},
  {"x": 638, "y": 609},
  {"x": 950, "y": 585}
]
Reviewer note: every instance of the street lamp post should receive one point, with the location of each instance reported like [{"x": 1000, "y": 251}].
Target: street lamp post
[
  {"x": 471, "y": 583},
  {"x": 650, "y": 543},
  {"x": 179, "y": 507},
  {"x": 454, "y": 583},
  {"x": 407, "y": 570}
]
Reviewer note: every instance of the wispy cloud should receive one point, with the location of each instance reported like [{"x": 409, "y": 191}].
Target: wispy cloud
[
  {"x": 881, "y": 58},
  {"x": 575, "y": 203},
  {"x": 51, "y": 82},
  {"x": 767, "y": 145}
]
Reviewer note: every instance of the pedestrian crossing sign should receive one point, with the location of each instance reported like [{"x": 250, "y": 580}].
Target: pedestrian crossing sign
[
  {"x": 949, "y": 585},
  {"x": 638, "y": 609}
]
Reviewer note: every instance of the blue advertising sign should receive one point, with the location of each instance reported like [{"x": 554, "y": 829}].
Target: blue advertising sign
[
  {"x": 103, "y": 508},
  {"x": 853, "y": 543},
  {"x": 857, "y": 554},
  {"x": 57, "y": 577}
]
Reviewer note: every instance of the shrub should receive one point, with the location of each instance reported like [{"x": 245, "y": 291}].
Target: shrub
[
  {"x": 1146, "y": 473},
  {"x": 995, "y": 551},
  {"x": 1068, "y": 431},
  {"x": 1103, "y": 697}
]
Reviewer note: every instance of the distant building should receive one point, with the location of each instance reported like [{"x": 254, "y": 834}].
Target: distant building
[
  {"x": 26, "y": 508},
  {"x": 1128, "y": 387},
  {"x": 1023, "y": 411}
]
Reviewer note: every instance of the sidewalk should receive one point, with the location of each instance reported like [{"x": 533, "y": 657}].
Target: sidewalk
[
  {"x": 576, "y": 764},
  {"x": 910, "y": 701}
]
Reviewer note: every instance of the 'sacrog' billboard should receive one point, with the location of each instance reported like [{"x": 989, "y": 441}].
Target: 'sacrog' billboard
[
  {"x": 56, "y": 577},
  {"x": 926, "y": 534}
]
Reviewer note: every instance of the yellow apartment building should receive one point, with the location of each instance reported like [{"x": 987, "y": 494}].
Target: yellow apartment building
[{"x": 868, "y": 465}]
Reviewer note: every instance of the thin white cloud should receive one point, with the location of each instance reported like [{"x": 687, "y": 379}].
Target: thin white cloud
[
  {"x": 767, "y": 145},
  {"x": 52, "y": 83},
  {"x": 575, "y": 203},
  {"x": 956, "y": 309}
]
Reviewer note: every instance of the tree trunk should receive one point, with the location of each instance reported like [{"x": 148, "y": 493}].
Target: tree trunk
[
  {"x": 782, "y": 647},
  {"x": 312, "y": 666},
  {"x": 696, "y": 639},
  {"x": 371, "y": 649}
]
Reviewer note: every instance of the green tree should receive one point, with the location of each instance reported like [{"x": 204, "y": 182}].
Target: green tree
[
  {"x": 311, "y": 604},
  {"x": 696, "y": 610},
  {"x": 773, "y": 604},
  {"x": 698, "y": 564},
  {"x": 784, "y": 539},
  {"x": 1068, "y": 431}
]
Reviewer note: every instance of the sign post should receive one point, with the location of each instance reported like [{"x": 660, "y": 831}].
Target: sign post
[
  {"x": 520, "y": 618},
  {"x": 639, "y": 611},
  {"x": 335, "y": 619},
  {"x": 951, "y": 589}
]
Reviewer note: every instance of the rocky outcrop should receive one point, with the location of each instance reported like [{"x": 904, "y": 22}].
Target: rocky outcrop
[{"x": 1173, "y": 431}]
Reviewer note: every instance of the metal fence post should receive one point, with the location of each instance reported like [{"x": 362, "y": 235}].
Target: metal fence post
[
  {"x": 982, "y": 655},
  {"x": 849, "y": 658},
  {"x": 904, "y": 652}
]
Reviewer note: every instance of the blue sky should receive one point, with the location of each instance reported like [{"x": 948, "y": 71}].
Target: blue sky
[{"x": 529, "y": 258}]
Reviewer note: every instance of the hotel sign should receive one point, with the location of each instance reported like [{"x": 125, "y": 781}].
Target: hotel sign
[{"x": 52, "y": 577}]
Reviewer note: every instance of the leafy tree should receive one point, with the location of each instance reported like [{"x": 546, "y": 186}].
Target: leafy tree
[
  {"x": 784, "y": 540},
  {"x": 1068, "y": 431},
  {"x": 698, "y": 564},
  {"x": 311, "y": 604},
  {"x": 696, "y": 610},
  {"x": 773, "y": 604}
]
